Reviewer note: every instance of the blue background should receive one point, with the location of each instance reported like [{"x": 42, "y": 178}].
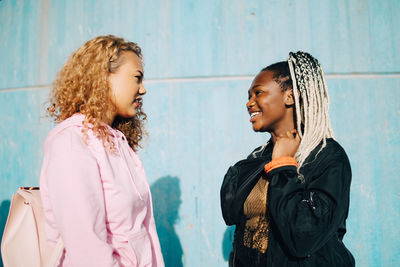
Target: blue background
[{"x": 200, "y": 58}]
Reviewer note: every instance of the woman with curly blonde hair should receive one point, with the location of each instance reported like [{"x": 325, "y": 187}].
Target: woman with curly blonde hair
[{"x": 94, "y": 190}]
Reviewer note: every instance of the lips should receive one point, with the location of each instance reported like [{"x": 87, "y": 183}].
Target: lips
[
  {"x": 253, "y": 115},
  {"x": 138, "y": 102}
]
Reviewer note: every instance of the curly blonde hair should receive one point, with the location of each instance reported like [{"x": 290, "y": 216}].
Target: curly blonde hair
[{"x": 82, "y": 86}]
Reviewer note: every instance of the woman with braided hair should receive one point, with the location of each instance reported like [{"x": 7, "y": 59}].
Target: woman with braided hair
[{"x": 289, "y": 199}]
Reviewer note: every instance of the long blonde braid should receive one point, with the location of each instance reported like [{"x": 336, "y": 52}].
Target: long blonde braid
[{"x": 311, "y": 102}]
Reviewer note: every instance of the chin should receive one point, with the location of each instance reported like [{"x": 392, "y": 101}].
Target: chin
[
  {"x": 256, "y": 129},
  {"x": 259, "y": 129},
  {"x": 128, "y": 115},
  {"x": 131, "y": 113}
]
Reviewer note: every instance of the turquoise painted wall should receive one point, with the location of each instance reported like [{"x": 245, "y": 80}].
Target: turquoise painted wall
[{"x": 200, "y": 57}]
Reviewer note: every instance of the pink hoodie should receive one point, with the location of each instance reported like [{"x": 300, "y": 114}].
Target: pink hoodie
[{"x": 99, "y": 202}]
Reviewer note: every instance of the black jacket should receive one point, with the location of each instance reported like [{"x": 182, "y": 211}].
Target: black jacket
[{"x": 307, "y": 218}]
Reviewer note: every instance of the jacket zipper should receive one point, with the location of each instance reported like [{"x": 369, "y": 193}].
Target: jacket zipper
[{"x": 249, "y": 179}]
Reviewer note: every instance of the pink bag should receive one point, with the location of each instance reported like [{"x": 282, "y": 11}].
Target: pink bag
[{"x": 24, "y": 242}]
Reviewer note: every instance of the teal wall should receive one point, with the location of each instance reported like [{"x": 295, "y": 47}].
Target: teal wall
[{"x": 200, "y": 57}]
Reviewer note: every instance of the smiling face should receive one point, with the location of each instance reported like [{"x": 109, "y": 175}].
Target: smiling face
[
  {"x": 127, "y": 86},
  {"x": 270, "y": 108}
]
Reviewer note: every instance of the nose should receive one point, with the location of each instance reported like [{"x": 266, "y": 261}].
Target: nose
[
  {"x": 250, "y": 103},
  {"x": 142, "y": 90}
]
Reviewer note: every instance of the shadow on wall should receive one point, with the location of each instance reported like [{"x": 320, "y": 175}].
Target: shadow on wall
[
  {"x": 227, "y": 241},
  {"x": 166, "y": 194},
  {"x": 4, "y": 208}
]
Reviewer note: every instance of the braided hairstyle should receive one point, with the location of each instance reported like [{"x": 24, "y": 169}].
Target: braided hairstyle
[{"x": 303, "y": 74}]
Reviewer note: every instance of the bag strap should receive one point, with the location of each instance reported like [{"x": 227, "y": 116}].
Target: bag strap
[
  {"x": 34, "y": 198},
  {"x": 56, "y": 255}
]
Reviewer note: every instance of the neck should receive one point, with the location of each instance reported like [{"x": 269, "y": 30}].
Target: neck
[
  {"x": 282, "y": 132},
  {"x": 286, "y": 125},
  {"x": 109, "y": 118}
]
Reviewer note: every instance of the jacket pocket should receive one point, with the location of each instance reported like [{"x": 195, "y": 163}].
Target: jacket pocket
[{"x": 141, "y": 246}]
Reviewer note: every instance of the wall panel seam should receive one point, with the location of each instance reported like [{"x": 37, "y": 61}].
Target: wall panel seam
[{"x": 394, "y": 75}]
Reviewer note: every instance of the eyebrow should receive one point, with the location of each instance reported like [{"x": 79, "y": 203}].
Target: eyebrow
[
  {"x": 140, "y": 72},
  {"x": 254, "y": 87}
]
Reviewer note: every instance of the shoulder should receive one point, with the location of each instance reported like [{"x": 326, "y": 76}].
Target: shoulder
[
  {"x": 334, "y": 146},
  {"x": 333, "y": 151},
  {"x": 66, "y": 155},
  {"x": 67, "y": 135},
  {"x": 330, "y": 155},
  {"x": 69, "y": 139}
]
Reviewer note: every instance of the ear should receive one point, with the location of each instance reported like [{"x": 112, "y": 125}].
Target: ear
[{"x": 289, "y": 98}]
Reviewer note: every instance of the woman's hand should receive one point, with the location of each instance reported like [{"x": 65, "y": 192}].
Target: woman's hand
[{"x": 286, "y": 145}]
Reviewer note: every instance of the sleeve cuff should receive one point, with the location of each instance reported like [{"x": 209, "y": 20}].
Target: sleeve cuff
[{"x": 280, "y": 162}]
